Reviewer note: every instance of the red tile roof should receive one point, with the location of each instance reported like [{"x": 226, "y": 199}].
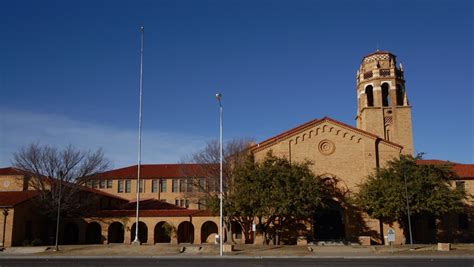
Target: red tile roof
[
  {"x": 157, "y": 171},
  {"x": 313, "y": 123},
  {"x": 378, "y": 52},
  {"x": 10, "y": 171},
  {"x": 465, "y": 171},
  {"x": 151, "y": 208},
  {"x": 11, "y": 199}
]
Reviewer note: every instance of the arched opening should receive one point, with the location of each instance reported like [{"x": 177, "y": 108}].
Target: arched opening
[
  {"x": 385, "y": 95},
  {"x": 116, "y": 233},
  {"x": 208, "y": 232},
  {"x": 93, "y": 233},
  {"x": 400, "y": 95},
  {"x": 185, "y": 232},
  {"x": 71, "y": 234},
  {"x": 163, "y": 231},
  {"x": 142, "y": 232},
  {"x": 328, "y": 222},
  {"x": 369, "y": 92}
]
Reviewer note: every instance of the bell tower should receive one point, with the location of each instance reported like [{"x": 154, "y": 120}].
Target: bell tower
[{"x": 383, "y": 107}]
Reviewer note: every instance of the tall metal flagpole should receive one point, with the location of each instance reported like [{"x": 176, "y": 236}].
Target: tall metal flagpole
[
  {"x": 221, "y": 236},
  {"x": 137, "y": 240}
]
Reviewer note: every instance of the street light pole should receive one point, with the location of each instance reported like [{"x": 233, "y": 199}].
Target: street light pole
[
  {"x": 221, "y": 236},
  {"x": 56, "y": 246},
  {"x": 137, "y": 240},
  {"x": 405, "y": 170}
]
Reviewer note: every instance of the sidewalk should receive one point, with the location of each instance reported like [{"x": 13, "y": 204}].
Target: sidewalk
[{"x": 186, "y": 250}]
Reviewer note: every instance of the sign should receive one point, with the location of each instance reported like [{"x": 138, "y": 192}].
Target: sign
[{"x": 391, "y": 235}]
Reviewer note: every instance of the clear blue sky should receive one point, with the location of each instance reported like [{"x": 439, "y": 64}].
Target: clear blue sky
[{"x": 69, "y": 71}]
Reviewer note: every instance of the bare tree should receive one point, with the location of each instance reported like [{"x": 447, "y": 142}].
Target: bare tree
[
  {"x": 206, "y": 174},
  {"x": 59, "y": 175}
]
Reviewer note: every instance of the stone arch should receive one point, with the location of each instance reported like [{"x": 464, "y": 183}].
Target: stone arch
[
  {"x": 369, "y": 92},
  {"x": 317, "y": 131},
  {"x": 311, "y": 133},
  {"x": 297, "y": 140},
  {"x": 142, "y": 232},
  {"x": 385, "y": 94},
  {"x": 93, "y": 233},
  {"x": 207, "y": 230},
  {"x": 328, "y": 222},
  {"x": 325, "y": 128},
  {"x": 116, "y": 233},
  {"x": 185, "y": 232},
  {"x": 71, "y": 234},
  {"x": 400, "y": 95},
  {"x": 163, "y": 232},
  {"x": 338, "y": 132},
  {"x": 304, "y": 137}
]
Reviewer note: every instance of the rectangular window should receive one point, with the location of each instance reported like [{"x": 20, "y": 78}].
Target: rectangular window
[
  {"x": 162, "y": 185},
  {"x": 94, "y": 184},
  {"x": 176, "y": 202},
  {"x": 102, "y": 184},
  {"x": 181, "y": 202},
  {"x": 175, "y": 185},
  {"x": 142, "y": 186},
  {"x": 89, "y": 183},
  {"x": 186, "y": 203},
  {"x": 202, "y": 184},
  {"x": 109, "y": 183},
  {"x": 120, "y": 186},
  {"x": 189, "y": 185},
  {"x": 154, "y": 185},
  {"x": 128, "y": 186},
  {"x": 182, "y": 185},
  {"x": 460, "y": 185}
]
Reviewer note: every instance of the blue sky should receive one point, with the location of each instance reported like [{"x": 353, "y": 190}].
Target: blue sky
[{"x": 69, "y": 71}]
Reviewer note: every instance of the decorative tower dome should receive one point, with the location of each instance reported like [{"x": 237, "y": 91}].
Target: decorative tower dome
[{"x": 383, "y": 107}]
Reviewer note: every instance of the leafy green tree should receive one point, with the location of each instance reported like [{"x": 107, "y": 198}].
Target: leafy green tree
[
  {"x": 429, "y": 188},
  {"x": 278, "y": 194}
]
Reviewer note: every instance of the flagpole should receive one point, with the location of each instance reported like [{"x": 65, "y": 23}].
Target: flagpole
[{"x": 137, "y": 240}]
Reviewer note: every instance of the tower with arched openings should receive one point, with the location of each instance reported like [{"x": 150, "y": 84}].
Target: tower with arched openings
[{"x": 383, "y": 106}]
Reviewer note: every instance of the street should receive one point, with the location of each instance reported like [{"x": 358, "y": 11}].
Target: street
[{"x": 234, "y": 262}]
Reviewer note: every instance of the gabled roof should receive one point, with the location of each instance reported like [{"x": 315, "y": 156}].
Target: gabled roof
[
  {"x": 157, "y": 171},
  {"x": 313, "y": 123},
  {"x": 13, "y": 198},
  {"x": 465, "y": 171}
]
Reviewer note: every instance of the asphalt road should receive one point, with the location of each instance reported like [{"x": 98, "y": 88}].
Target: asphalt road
[{"x": 234, "y": 262}]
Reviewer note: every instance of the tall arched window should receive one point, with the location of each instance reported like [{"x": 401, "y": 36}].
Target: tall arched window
[
  {"x": 385, "y": 95},
  {"x": 369, "y": 92},
  {"x": 400, "y": 95}
]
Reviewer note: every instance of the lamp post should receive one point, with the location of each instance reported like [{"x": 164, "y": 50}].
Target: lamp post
[
  {"x": 56, "y": 243},
  {"x": 137, "y": 240},
  {"x": 221, "y": 236},
  {"x": 405, "y": 170}
]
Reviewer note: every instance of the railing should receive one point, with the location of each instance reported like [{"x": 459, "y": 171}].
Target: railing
[{"x": 368, "y": 75}]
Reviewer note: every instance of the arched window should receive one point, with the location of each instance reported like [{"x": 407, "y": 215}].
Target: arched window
[
  {"x": 400, "y": 95},
  {"x": 369, "y": 92},
  {"x": 385, "y": 95}
]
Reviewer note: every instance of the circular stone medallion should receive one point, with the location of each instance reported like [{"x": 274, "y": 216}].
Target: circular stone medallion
[{"x": 326, "y": 147}]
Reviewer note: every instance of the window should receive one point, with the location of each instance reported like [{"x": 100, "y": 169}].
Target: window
[
  {"x": 175, "y": 185},
  {"x": 102, "y": 184},
  {"x": 89, "y": 183},
  {"x": 460, "y": 185},
  {"x": 176, "y": 202},
  {"x": 186, "y": 203},
  {"x": 109, "y": 183},
  {"x": 94, "y": 184},
  {"x": 128, "y": 186},
  {"x": 120, "y": 186},
  {"x": 182, "y": 185},
  {"x": 154, "y": 185},
  {"x": 385, "y": 95},
  {"x": 181, "y": 202},
  {"x": 369, "y": 92},
  {"x": 189, "y": 185},
  {"x": 142, "y": 186},
  {"x": 202, "y": 184},
  {"x": 201, "y": 204},
  {"x": 162, "y": 185}
]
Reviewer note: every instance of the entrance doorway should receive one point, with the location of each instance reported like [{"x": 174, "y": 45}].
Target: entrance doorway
[{"x": 328, "y": 222}]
